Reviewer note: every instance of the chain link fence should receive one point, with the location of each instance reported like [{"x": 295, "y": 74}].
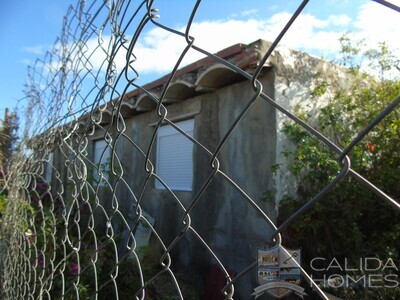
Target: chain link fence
[{"x": 106, "y": 200}]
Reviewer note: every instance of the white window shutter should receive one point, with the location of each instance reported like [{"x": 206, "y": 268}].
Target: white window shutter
[
  {"x": 101, "y": 151},
  {"x": 174, "y": 164},
  {"x": 49, "y": 167}
]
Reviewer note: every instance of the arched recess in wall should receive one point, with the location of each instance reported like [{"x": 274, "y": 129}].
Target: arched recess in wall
[
  {"x": 101, "y": 116},
  {"x": 178, "y": 91},
  {"x": 217, "y": 76},
  {"x": 127, "y": 110},
  {"x": 81, "y": 126},
  {"x": 145, "y": 102},
  {"x": 84, "y": 125}
]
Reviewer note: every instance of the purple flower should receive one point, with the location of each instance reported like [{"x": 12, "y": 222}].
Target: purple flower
[
  {"x": 41, "y": 186},
  {"x": 75, "y": 268},
  {"x": 84, "y": 207},
  {"x": 35, "y": 200},
  {"x": 39, "y": 262},
  {"x": 58, "y": 204},
  {"x": 83, "y": 245}
]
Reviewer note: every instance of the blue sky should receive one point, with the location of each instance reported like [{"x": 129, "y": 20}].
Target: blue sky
[
  {"x": 29, "y": 28},
  {"x": 26, "y": 27}
]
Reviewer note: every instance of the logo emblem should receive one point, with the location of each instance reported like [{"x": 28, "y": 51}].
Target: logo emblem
[{"x": 278, "y": 272}]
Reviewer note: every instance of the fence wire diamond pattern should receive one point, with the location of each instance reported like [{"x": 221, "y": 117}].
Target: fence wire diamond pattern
[{"x": 78, "y": 225}]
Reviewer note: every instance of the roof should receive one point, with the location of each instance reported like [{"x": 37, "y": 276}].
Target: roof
[{"x": 202, "y": 76}]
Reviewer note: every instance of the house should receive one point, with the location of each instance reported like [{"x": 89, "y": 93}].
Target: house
[{"x": 195, "y": 163}]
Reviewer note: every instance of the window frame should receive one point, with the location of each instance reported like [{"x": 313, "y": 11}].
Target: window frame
[
  {"x": 164, "y": 169},
  {"x": 100, "y": 157},
  {"x": 48, "y": 173}
]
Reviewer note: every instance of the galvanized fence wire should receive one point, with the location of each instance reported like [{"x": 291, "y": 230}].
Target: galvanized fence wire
[{"x": 62, "y": 239}]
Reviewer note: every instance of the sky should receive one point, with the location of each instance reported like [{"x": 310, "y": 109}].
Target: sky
[{"x": 29, "y": 28}]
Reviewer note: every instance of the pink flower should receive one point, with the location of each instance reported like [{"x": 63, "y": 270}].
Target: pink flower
[
  {"x": 32, "y": 239},
  {"x": 30, "y": 236}
]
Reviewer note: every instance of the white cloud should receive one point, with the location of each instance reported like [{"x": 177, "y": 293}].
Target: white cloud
[
  {"x": 245, "y": 14},
  {"x": 340, "y": 20},
  {"x": 302, "y": 33},
  {"x": 249, "y": 12},
  {"x": 157, "y": 50},
  {"x": 26, "y": 62},
  {"x": 37, "y": 50},
  {"x": 377, "y": 23}
]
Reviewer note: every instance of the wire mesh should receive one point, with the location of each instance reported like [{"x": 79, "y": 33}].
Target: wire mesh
[{"x": 78, "y": 225}]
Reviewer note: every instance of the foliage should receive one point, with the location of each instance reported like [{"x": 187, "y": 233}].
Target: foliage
[
  {"x": 8, "y": 141},
  {"x": 8, "y": 136},
  {"x": 350, "y": 222},
  {"x": 89, "y": 256},
  {"x": 3, "y": 203}
]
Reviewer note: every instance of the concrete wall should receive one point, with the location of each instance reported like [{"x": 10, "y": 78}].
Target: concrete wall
[
  {"x": 297, "y": 74},
  {"x": 222, "y": 216}
]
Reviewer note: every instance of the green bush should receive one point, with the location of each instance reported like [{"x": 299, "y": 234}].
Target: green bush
[{"x": 351, "y": 222}]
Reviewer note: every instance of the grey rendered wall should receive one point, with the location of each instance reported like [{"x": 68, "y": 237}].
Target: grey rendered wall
[{"x": 222, "y": 216}]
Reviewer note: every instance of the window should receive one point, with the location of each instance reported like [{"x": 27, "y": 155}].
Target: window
[
  {"x": 49, "y": 167},
  {"x": 101, "y": 161},
  {"x": 174, "y": 163}
]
